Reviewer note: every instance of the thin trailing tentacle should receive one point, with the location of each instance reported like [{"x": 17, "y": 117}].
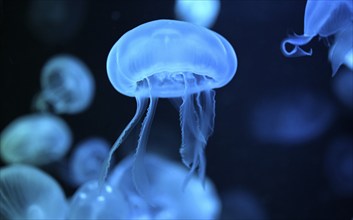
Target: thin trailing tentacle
[
  {"x": 141, "y": 104},
  {"x": 296, "y": 41}
]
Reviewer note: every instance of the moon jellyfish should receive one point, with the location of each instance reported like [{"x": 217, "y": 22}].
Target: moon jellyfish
[
  {"x": 291, "y": 118},
  {"x": 29, "y": 193},
  {"x": 36, "y": 139},
  {"x": 343, "y": 86},
  {"x": 87, "y": 160},
  {"x": 341, "y": 52},
  {"x": 67, "y": 85},
  {"x": 169, "y": 200},
  {"x": 93, "y": 202},
  {"x": 323, "y": 18},
  {"x": 338, "y": 165},
  {"x": 202, "y": 13},
  {"x": 172, "y": 59}
]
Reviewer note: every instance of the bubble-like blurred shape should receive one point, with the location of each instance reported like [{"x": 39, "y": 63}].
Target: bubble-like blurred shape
[
  {"x": 29, "y": 193},
  {"x": 200, "y": 12},
  {"x": 67, "y": 85},
  {"x": 35, "y": 139},
  {"x": 242, "y": 205},
  {"x": 291, "y": 118},
  {"x": 167, "y": 199},
  {"x": 341, "y": 52},
  {"x": 343, "y": 86},
  {"x": 339, "y": 165},
  {"x": 87, "y": 160},
  {"x": 55, "y": 22},
  {"x": 91, "y": 201}
]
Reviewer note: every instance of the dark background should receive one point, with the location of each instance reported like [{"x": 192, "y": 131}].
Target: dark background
[{"x": 288, "y": 179}]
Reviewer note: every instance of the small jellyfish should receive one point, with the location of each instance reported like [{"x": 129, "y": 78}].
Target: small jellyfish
[
  {"x": 91, "y": 201},
  {"x": 29, "y": 193},
  {"x": 172, "y": 59},
  {"x": 67, "y": 86},
  {"x": 323, "y": 18},
  {"x": 87, "y": 160},
  {"x": 169, "y": 200},
  {"x": 202, "y": 13},
  {"x": 341, "y": 52},
  {"x": 36, "y": 139}
]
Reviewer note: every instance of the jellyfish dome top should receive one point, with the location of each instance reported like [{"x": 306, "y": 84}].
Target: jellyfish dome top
[
  {"x": 35, "y": 139},
  {"x": 172, "y": 59},
  {"x": 169, "y": 200},
  {"x": 322, "y": 18},
  {"x": 67, "y": 85},
  {"x": 29, "y": 193}
]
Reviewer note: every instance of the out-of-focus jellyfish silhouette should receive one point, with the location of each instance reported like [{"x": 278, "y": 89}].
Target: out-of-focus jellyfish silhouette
[
  {"x": 323, "y": 18},
  {"x": 172, "y": 59},
  {"x": 343, "y": 86},
  {"x": 55, "y": 22},
  {"x": 36, "y": 139},
  {"x": 67, "y": 85},
  {"x": 91, "y": 201},
  {"x": 240, "y": 205},
  {"x": 202, "y": 13},
  {"x": 339, "y": 165},
  {"x": 29, "y": 193},
  {"x": 341, "y": 52},
  {"x": 169, "y": 200},
  {"x": 291, "y": 118},
  {"x": 87, "y": 160}
]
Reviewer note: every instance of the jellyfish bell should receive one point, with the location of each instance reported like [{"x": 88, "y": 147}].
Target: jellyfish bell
[
  {"x": 322, "y": 18},
  {"x": 29, "y": 193},
  {"x": 36, "y": 139},
  {"x": 67, "y": 85},
  {"x": 172, "y": 59}
]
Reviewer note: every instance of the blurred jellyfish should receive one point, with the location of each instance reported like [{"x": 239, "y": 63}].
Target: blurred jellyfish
[
  {"x": 87, "y": 160},
  {"x": 323, "y": 18},
  {"x": 240, "y": 205},
  {"x": 55, "y": 22},
  {"x": 29, "y": 193},
  {"x": 172, "y": 59},
  {"x": 343, "y": 86},
  {"x": 169, "y": 200},
  {"x": 36, "y": 139},
  {"x": 202, "y": 13},
  {"x": 291, "y": 118},
  {"x": 341, "y": 52},
  {"x": 67, "y": 85},
  {"x": 93, "y": 202},
  {"x": 339, "y": 165}
]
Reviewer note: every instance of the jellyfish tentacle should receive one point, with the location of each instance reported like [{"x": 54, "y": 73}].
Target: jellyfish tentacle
[
  {"x": 296, "y": 41},
  {"x": 141, "y": 108}
]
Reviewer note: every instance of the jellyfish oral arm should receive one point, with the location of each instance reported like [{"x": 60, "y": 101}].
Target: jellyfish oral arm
[{"x": 296, "y": 41}]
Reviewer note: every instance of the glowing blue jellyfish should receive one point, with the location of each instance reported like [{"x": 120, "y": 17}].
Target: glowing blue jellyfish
[
  {"x": 343, "y": 86},
  {"x": 322, "y": 18},
  {"x": 172, "y": 59},
  {"x": 67, "y": 85},
  {"x": 29, "y": 193},
  {"x": 169, "y": 200},
  {"x": 35, "y": 139},
  {"x": 202, "y": 13},
  {"x": 87, "y": 160},
  {"x": 93, "y": 202}
]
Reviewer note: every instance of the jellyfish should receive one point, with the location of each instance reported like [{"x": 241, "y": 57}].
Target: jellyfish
[
  {"x": 35, "y": 139},
  {"x": 28, "y": 193},
  {"x": 93, "y": 202},
  {"x": 170, "y": 201},
  {"x": 341, "y": 52},
  {"x": 177, "y": 60},
  {"x": 342, "y": 86},
  {"x": 202, "y": 13},
  {"x": 67, "y": 86},
  {"x": 87, "y": 159},
  {"x": 323, "y": 18}
]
